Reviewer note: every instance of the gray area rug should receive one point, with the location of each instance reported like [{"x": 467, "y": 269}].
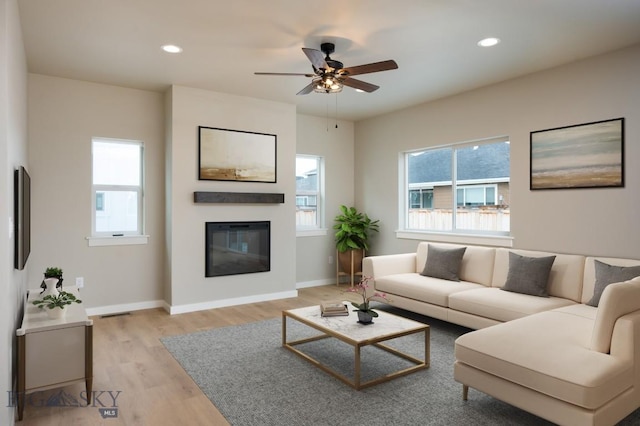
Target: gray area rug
[{"x": 253, "y": 380}]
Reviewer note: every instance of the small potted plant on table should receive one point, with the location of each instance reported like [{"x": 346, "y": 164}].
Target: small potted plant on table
[
  {"x": 54, "y": 305},
  {"x": 48, "y": 284},
  {"x": 365, "y": 313}
]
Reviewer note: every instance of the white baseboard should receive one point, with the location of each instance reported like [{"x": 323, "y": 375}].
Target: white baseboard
[
  {"x": 126, "y": 307},
  {"x": 315, "y": 283},
  {"x": 181, "y": 309}
]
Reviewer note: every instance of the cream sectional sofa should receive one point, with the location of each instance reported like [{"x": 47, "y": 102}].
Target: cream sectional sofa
[{"x": 554, "y": 356}]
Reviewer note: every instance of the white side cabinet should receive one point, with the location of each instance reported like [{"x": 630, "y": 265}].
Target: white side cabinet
[{"x": 53, "y": 352}]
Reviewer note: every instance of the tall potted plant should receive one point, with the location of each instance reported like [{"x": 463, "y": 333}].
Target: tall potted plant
[{"x": 352, "y": 235}]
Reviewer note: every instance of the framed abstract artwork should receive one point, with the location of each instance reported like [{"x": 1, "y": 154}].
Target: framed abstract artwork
[
  {"x": 587, "y": 155},
  {"x": 236, "y": 155}
]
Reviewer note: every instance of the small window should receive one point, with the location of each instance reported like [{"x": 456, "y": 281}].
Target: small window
[
  {"x": 476, "y": 195},
  {"x": 117, "y": 179},
  {"x": 420, "y": 198},
  {"x": 309, "y": 184}
]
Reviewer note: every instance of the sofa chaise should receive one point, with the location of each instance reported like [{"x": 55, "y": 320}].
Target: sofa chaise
[{"x": 568, "y": 351}]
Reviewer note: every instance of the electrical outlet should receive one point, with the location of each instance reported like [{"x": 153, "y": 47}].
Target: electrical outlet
[
  {"x": 330, "y": 260},
  {"x": 79, "y": 282}
]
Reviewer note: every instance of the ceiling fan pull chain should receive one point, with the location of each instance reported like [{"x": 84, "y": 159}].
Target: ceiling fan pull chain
[
  {"x": 336, "y": 110},
  {"x": 327, "y": 114}
]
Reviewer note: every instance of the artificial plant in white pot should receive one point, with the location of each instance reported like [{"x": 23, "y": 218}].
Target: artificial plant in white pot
[{"x": 55, "y": 305}]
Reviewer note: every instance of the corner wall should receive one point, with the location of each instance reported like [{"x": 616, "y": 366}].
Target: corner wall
[
  {"x": 189, "y": 108},
  {"x": 13, "y": 153},
  {"x": 336, "y": 146},
  {"x": 584, "y": 221}
]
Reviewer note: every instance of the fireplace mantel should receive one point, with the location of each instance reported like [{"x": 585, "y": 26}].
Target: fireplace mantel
[{"x": 238, "y": 197}]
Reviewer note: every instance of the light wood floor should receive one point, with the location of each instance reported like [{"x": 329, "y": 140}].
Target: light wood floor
[{"x": 154, "y": 389}]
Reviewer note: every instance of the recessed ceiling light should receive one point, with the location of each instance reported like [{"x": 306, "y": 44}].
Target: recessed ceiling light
[
  {"x": 488, "y": 42},
  {"x": 359, "y": 90},
  {"x": 172, "y": 48}
]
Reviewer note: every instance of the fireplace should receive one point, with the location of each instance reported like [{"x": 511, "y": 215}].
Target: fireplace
[{"x": 237, "y": 248}]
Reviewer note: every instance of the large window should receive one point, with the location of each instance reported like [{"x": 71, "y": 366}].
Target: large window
[
  {"x": 309, "y": 183},
  {"x": 459, "y": 188},
  {"x": 117, "y": 187}
]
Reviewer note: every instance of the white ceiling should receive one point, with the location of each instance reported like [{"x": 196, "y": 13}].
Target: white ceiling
[{"x": 433, "y": 41}]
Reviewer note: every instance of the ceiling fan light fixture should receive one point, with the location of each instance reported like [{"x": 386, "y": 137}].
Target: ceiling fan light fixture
[
  {"x": 326, "y": 85},
  {"x": 330, "y": 76}
]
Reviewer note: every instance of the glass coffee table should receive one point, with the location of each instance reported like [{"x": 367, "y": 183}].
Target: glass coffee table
[{"x": 346, "y": 328}]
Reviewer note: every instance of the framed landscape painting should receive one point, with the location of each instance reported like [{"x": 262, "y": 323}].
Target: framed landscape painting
[
  {"x": 587, "y": 155},
  {"x": 236, "y": 155}
]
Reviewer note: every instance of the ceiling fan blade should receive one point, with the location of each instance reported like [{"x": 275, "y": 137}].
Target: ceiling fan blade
[
  {"x": 369, "y": 68},
  {"x": 359, "y": 84},
  {"x": 316, "y": 57},
  {"x": 284, "y": 73},
  {"x": 307, "y": 89}
]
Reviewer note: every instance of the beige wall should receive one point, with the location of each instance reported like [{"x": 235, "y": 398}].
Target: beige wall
[
  {"x": 65, "y": 114},
  {"x": 190, "y": 290},
  {"x": 63, "y": 117},
  {"x": 588, "y": 221},
  {"x": 336, "y": 146},
  {"x": 13, "y": 153}
]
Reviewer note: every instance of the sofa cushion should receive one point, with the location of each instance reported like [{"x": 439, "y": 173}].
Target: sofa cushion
[
  {"x": 443, "y": 263},
  {"x": 528, "y": 275},
  {"x": 549, "y": 353},
  {"x": 607, "y": 274},
  {"x": 476, "y": 266},
  {"x": 565, "y": 278},
  {"x": 424, "y": 289},
  {"x": 618, "y": 299},
  {"x": 491, "y": 302},
  {"x": 579, "y": 309}
]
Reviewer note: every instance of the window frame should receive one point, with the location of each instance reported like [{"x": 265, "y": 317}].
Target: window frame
[
  {"x": 454, "y": 235},
  {"x": 318, "y": 228},
  {"x": 118, "y": 237}
]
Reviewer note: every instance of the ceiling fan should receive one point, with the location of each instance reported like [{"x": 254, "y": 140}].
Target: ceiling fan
[{"x": 330, "y": 75}]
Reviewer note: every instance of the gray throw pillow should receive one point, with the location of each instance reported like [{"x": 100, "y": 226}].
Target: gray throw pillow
[
  {"x": 443, "y": 263},
  {"x": 608, "y": 274},
  {"x": 528, "y": 275}
]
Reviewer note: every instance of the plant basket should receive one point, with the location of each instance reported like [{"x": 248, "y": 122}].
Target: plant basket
[{"x": 350, "y": 261}]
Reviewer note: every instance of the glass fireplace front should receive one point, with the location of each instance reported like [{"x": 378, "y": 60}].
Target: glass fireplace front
[{"x": 237, "y": 248}]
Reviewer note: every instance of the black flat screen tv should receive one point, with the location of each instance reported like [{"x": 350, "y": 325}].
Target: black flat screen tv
[{"x": 22, "y": 217}]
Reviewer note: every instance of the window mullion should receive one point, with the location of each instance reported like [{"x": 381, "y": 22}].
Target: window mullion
[
  {"x": 136, "y": 188},
  {"x": 454, "y": 188}
]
